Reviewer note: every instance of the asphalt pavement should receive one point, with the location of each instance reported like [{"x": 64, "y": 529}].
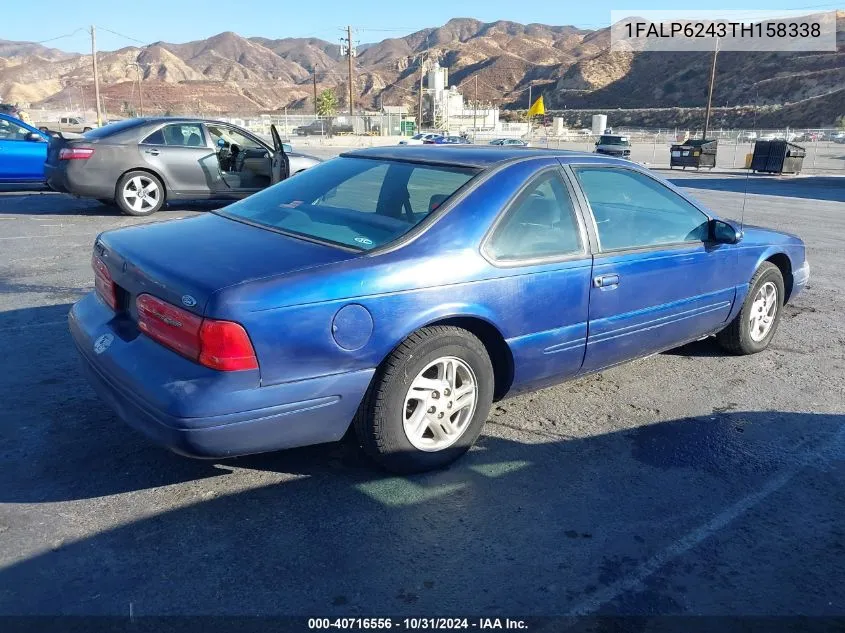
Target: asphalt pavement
[{"x": 690, "y": 482}]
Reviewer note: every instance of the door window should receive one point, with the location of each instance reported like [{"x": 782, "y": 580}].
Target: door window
[
  {"x": 540, "y": 223},
  {"x": 177, "y": 135},
  {"x": 12, "y": 131},
  {"x": 632, "y": 210},
  {"x": 231, "y": 136}
]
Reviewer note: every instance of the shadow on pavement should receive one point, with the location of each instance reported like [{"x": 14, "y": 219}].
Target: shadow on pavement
[
  {"x": 513, "y": 528},
  {"x": 35, "y": 202},
  {"x": 809, "y": 187}
]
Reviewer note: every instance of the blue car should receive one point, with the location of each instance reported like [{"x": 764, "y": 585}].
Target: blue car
[
  {"x": 23, "y": 151},
  {"x": 401, "y": 290}
]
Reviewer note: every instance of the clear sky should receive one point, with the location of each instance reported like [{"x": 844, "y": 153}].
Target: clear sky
[{"x": 185, "y": 20}]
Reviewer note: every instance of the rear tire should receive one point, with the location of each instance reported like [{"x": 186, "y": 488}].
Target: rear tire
[
  {"x": 139, "y": 193},
  {"x": 428, "y": 401},
  {"x": 753, "y": 328}
]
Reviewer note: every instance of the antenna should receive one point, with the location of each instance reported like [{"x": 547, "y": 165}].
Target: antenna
[{"x": 748, "y": 171}]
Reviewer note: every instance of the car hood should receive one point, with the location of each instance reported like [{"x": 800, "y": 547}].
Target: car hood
[{"x": 186, "y": 261}]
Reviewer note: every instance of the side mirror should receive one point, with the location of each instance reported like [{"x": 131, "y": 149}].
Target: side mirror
[
  {"x": 722, "y": 232},
  {"x": 35, "y": 137}
]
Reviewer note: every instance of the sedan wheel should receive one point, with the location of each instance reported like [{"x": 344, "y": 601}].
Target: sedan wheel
[
  {"x": 428, "y": 401},
  {"x": 440, "y": 404},
  {"x": 140, "y": 193},
  {"x": 753, "y": 328},
  {"x": 763, "y": 311}
]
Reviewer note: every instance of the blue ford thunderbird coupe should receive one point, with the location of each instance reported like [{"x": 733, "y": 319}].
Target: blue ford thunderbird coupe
[{"x": 401, "y": 290}]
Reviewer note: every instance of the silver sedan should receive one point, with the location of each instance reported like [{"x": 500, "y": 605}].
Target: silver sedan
[{"x": 139, "y": 164}]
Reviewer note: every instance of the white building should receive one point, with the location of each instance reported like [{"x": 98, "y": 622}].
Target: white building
[{"x": 446, "y": 110}]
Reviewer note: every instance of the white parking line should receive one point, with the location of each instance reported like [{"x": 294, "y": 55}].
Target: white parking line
[{"x": 636, "y": 579}]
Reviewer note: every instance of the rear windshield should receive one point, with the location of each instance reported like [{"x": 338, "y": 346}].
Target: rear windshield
[
  {"x": 613, "y": 140},
  {"x": 112, "y": 128},
  {"x": 357, "y": 202}
]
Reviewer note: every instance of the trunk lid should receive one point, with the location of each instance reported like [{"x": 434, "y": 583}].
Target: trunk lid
[{"x": 184, "y": 262}]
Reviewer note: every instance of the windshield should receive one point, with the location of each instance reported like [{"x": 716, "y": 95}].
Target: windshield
[
  {"x": 613, "y": 140},
  {"x": 357, "y": 202}
]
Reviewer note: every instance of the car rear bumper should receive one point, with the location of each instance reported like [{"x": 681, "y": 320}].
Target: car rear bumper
[
  {"x": 65, "y": 179},
  {"x": 198, "y": 412}
]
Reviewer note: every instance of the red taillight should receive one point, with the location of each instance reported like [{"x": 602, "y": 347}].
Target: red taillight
[
  {"x": 221, "y": 345},
  {"x": 226, "y": 346},
  {"x": 75, "y": 153},
  {"x": 103, "y": 282},
  {"x": 173, "y": 327}
]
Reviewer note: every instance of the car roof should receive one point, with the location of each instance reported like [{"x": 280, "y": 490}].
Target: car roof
[{"x": 477, "y": 156}]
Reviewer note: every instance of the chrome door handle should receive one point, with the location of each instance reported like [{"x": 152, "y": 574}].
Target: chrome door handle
[
  {"x": 154, "y": 152},
  {"x": 606, "y": 281}
]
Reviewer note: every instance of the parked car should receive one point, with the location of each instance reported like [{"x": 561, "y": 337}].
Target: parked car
[
  {"x": 138, "y": 164},
  {"x": 23, "y": 150},
  {"x": 613, "y": 145},
  {"x": 75, "y": 124},
  {"x": 838, "y": 137},
  {"x": 451, "y": 140},
  {"x": 402, "y": 296},
  {"x": 511, "y": 142},
  {"x": 323, "y": 127},
  {"x": 420, "y": 139}
]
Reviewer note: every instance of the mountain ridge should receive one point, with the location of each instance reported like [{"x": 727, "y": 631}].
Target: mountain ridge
[{"x": 571, "y": 67}]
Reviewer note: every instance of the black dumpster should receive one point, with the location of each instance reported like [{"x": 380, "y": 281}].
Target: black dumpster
[
  {"x": 777, "y": 157},
  {"x": 699, "y": 153}
]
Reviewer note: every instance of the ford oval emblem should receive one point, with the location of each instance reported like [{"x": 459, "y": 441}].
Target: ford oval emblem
[
  {"x": 102, "y": 343},
  {"x": 189, "y": 301}
]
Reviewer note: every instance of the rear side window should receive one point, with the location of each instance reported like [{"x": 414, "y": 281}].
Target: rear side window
[
  {"x": 178, "y": 135},
  {"x": 356, "y": 202},
  {"x": 632, "y": 210},
  {"x": 540, "y": 223}
]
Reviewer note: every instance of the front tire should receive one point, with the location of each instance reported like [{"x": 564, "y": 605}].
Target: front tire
[
  {"x": 753, "y": 328},
  {"x": 428, "y": 401},
  {"x": 139, "y": 193}
]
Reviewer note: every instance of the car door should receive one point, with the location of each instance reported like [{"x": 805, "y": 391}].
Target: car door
[
  {"x": 657, "y": 281},
  {"x": 181, "y": 153},
  {"x": 280, "y": 163},
  {"x": 246, "y": 161},
  {"x": 540, "y": 243},
  {"x": 23, "y": 151}
]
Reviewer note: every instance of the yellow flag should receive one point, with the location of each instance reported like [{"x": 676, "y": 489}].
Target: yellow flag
[{"x": 537, "y": 108}]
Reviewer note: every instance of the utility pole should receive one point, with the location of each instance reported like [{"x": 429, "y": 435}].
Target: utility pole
[
  {"x": 350, "y": 52},
  {"x": 710, "y": 92},
  {"x": 96, "y": 75},
  {"x": 140, "y": 92},
  {"x": 314, "y": 77},
  {"x": 475, "y": 110},
  {"x": 422, "y": 72}
]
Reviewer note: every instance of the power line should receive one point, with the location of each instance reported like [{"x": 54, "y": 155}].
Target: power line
[
  {"x": 59, "y": 37},
  {"x": 124, "y": 36}
]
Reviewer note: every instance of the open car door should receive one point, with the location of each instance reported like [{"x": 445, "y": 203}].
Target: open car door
[{"x": 281, "y": 164}]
